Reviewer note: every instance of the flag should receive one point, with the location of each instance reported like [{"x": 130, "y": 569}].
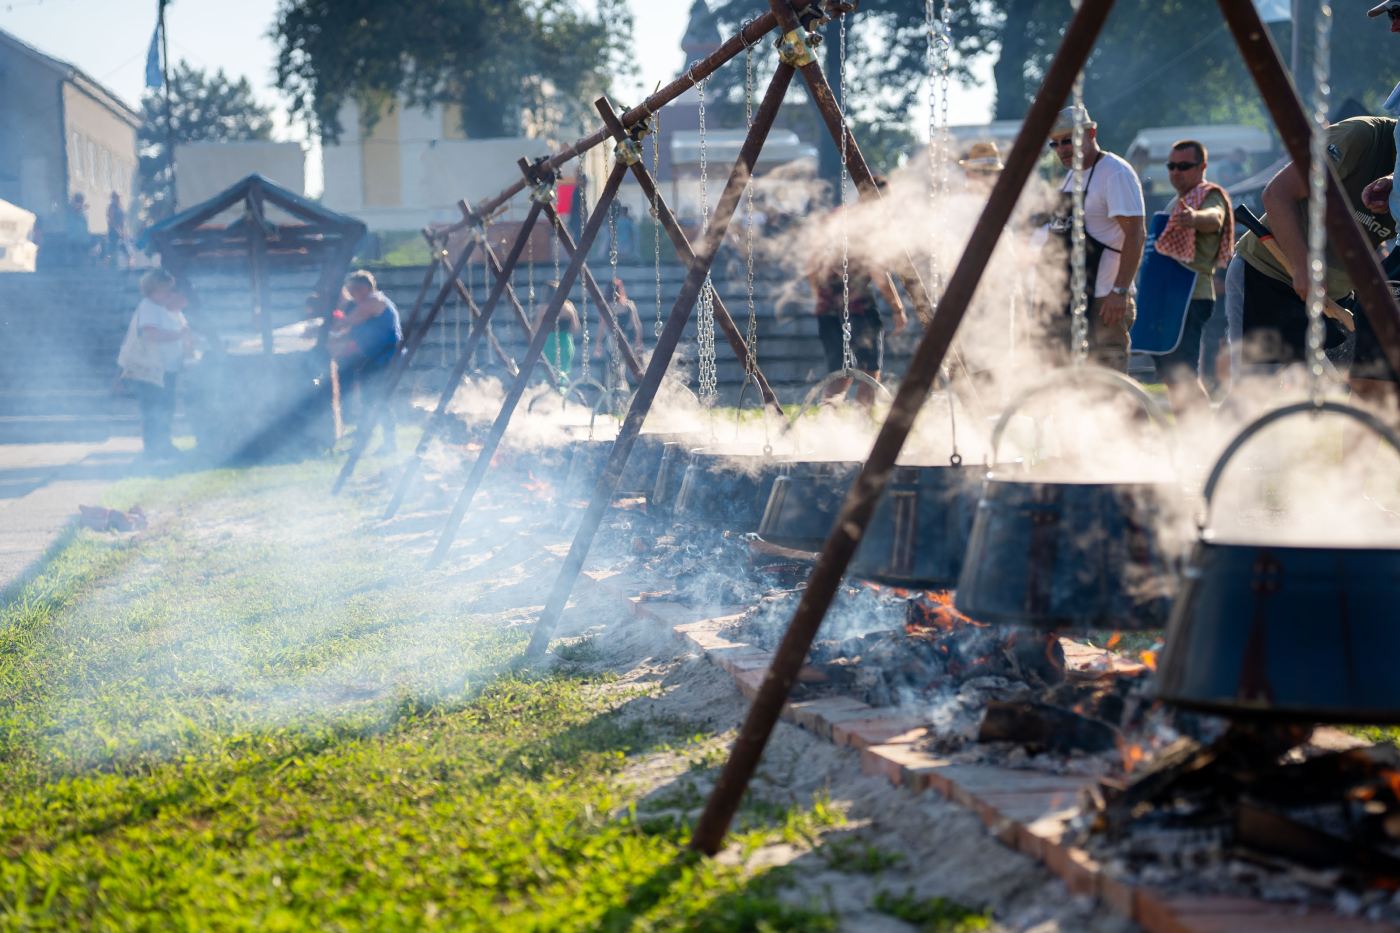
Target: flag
[
  {"x": 153, "y": 59},
  {"x": 1274, "y": 11}
]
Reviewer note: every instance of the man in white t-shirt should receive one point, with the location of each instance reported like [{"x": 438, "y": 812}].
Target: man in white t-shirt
[{"x": 1114, "y": 233}]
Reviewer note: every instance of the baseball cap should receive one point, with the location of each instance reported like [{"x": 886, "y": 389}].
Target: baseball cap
[{"x": 1064, "y": 121}]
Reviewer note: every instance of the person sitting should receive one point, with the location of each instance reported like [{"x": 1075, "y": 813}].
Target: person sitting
[{"x": 366, "y": 342}]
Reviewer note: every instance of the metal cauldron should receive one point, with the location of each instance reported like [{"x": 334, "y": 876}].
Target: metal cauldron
[
  {"x": 1058, "y": 555},
  {"x": 675, "y": 457},
  {"x": 638, "y": 476},
  {"x": 804, "y": 502},
  {"x": 1290, "y": 633},
  {"x": 725, "y": 490},
  {"x": 919, "y": 533}
]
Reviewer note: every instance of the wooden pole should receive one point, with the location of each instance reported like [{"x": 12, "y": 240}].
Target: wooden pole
[
  {"x": 527, "y": 366},
  {"x": 666, "y": 343},
  {"x": 928, "y": 357}
]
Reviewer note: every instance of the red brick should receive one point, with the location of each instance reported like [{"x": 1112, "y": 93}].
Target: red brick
[
  {"x": 862, "y": 733},
  {"x": 1075, "y": 868},
  {"x": 748, "y": 682}
]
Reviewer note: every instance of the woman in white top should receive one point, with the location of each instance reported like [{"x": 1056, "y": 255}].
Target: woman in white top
[{"x": 162, "y": 328}]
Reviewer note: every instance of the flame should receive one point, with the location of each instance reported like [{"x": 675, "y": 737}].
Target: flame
[
  {"x": 1132, "y": 756},
  {"x": 1392, "y": 778},
  {"x": 538, "y": 487},
  {"x": 1149, "y": 659},
  {"x": 934, "y": 609},
  {"x": 1113, "y": 640}
]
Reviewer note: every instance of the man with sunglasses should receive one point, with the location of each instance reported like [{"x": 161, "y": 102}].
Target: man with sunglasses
[
  {"x": 1195, "y": 236},
  {"x": 1114, "y": 233}
]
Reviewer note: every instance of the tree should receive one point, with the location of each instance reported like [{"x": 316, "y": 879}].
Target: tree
[
  {"x": 1156, "y": 63},
  {"x": 509, "y": 65},
  {"x": 206, "y": 108}
]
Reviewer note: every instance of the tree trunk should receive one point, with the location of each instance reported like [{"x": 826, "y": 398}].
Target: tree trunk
[{"x": 1009, "y": 72}]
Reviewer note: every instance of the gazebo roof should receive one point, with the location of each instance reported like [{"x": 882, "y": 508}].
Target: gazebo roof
[{"x": 290, "y": 225}]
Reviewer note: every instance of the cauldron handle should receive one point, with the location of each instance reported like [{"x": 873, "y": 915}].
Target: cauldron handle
[
  {"x": 1108, "y": 377},
  {"x": 1278, "y": 414},
  {"x": 814, "y": 396}
]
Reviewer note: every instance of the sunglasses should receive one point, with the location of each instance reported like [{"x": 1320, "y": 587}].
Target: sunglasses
[
  {"x": 1393, "y": 13},
  {"x": 1181, "y": 166},
  {"x": 1060, "y": 143}
]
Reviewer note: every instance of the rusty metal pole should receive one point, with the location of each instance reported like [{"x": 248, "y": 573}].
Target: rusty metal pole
[
  {"x": 908, "y": 275},
  {"x": 439, "y": 416},
  {"x": 566, "y": 240},
  {"x": 860, "y": 502},
  {"x": 747, "y": 35},
  {"x": 435, "y": 257},
  {"x": 666, "y": 344},
  {"x": 527, "y": 366},
  {"x": 1344, "y": 235},
  {"x": 681, "y": 243},
  {"x": 397, "y": 369}
]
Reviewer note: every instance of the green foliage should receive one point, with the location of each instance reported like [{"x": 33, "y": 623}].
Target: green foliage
[
  {"x": 510, "y": 66},
  {"x": 932, "y": 914},
  {"x": 204, "y": 108},
  {"x": 255, "y": 716},
  {"x": 853, "y": 854}
]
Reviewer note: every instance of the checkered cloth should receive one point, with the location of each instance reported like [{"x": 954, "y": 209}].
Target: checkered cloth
[{"x": 1178, "y": 240}]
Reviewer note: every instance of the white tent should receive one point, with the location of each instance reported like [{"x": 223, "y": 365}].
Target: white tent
[{"x": 17, "y": 251}]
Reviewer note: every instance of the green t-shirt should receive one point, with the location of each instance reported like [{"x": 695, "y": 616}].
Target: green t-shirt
[
  {"x": 1207, "y": 248},
  {"x": 1362, "y": 150}
]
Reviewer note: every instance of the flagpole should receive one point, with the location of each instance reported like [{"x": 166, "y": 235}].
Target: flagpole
[{"x": 169, "y": 110}]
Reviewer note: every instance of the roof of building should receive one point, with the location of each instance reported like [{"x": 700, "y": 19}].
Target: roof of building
[{"x": 76, "y": 77}]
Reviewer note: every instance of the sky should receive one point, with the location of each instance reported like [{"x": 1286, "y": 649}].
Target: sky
[{"x": 108, "y": 39}]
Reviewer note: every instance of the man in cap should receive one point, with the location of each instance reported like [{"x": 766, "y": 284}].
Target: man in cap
[
  {"x": 981, "y": 166},
  {"x": 1265, "y": 296},
  {"x": 1114, "y": 233}
]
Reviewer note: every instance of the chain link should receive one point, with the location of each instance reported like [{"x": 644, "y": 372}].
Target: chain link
[
  {"x": 585, "y": 368},
  {"x": 751, "y": 337},
  {"x": 705, "y": 320},
  {"x": 1079, "y": 284},
  {"x": 1317, "y": 202},
  {"x": 656, "y": 214},
  {"x": 848, "y": 360},
  {"x": 613, "y": 350},
  {"x": 558, "y": 334}
]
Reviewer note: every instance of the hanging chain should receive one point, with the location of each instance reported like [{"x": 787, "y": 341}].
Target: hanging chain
[
  {"x": 750, "y": 338},
  {"x": 613, "y": 350},
  {"x": 656, "y": 214},
  {"x": 1079, "y": 284},
  {"x": 584, "y": 370},
  {"x": 848, "y": 360},
  {"x": 1317, "y": 202},
  {"x": 705, "y": 320},
  {"x": 558, "y": 318}
]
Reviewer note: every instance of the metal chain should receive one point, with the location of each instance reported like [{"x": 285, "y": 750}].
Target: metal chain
[
  {"x": 613, "y": 350},
  {"x": 584, "y": 370},
  {"x": 848, "y": 360},
  {"x": 558, "y": 327},
  {"x": 1079, "y": 284},
  {"x": 750, "y": 338},
  {"x": 705, "y": 319},
  {"x": 1317, "y": 202},
  {"x": 656, "y": 214}
]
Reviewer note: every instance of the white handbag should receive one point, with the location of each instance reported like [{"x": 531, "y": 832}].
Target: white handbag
[{"x": 138, "y": 360}]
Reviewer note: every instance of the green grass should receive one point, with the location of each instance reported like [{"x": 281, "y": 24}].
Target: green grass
[
  {"x": 932, "y": 914},
  {"x": 257, "y": 715}
]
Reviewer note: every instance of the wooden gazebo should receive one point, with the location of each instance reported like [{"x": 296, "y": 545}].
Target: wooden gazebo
[{"x": 262, "y": 226}]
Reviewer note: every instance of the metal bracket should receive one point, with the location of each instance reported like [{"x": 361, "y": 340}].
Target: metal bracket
[
  {"x": 795, "y": 49},
  {"x": 543, "y": 193},
  {"x": 628, "y": 150}
]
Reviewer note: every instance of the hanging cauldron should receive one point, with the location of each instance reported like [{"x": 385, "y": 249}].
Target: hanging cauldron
[
  {"x": 919, "y": 533},
  {"x": 675, "y": 457},
  {"x": 1286, "y": 632},
  {"x": 803, "y": 504},
  {"x": 1063, "y": 556},
  {"x": 638, "y": 476},
  {"x": 727, "y": 490}
]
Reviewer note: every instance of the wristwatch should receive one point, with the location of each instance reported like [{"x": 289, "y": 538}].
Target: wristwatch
[{"x": 1120, "y": 290}]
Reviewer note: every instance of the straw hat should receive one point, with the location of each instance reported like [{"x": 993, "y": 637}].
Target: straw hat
[{"x": 982, "y": 157}]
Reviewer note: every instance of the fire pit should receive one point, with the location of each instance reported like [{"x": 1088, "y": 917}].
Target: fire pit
[{"x": 727, "y": 490}]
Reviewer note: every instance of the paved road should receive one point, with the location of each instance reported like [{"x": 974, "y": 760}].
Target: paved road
[{"x": 41, "y": 487}]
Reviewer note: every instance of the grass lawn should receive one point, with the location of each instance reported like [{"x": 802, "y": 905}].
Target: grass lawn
[{"x": 257, "y": 715}]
